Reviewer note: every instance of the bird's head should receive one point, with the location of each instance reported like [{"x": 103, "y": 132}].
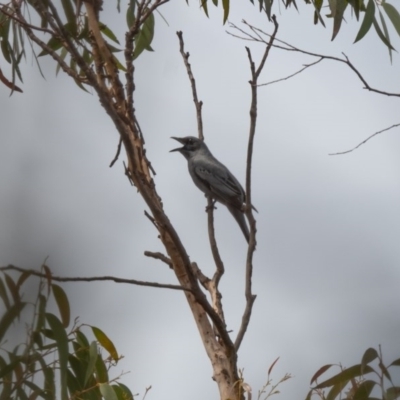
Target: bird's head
[{"x": 191, "y": 145}]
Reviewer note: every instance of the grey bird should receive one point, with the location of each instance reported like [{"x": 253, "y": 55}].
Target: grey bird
[{"x": 213, "y": 178}]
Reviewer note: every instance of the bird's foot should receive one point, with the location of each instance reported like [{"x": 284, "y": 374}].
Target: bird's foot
[{"x": 212, "y": 206}]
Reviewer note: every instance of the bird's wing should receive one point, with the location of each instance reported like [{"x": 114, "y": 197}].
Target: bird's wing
[{"x": 220, "y": 182}]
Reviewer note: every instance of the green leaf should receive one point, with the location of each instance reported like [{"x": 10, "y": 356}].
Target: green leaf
[
  {"x": 320, "y": 372},
  {"x": 5, "y": 49},
  {"x": 364, "y": 390},
  {"x": 61, "y": 338},
  {"x": 341, "y": 6},
  {"x": 108, "y": 32},
  {"x": 386, "y": 34},
  {"x": 9, "y": 316},
  {"x": 215, "y": 2},
  {"x": 49, "y": 383},
  {"x": 93, "y": 354},
  {"x": 382, "y": 36},
  {"x": 369, "y": 355},
  {"x": 12, "y": 287},
  {"x": 107, "y": 392},
  {"x": 101, "y": 370},
  {"x": 130, "y": 14},
  {"x": 54, "y": 43},
  {"x": 9, "y": 367},
  {"x": 395, "y": 363},
  {"x": 70, "y": 15},
  {"x": 393, "y": 15},
  {"x": 345, "y": 375},
  {"x": 225, "y": 6},
  {"x": 317, "y": 13},
  {"x": 22, "y": 278},
  {"x": 4, "y": 26},
  {"x": 127, "y": 394},
  {"x": 367, "y": 21},
  {"x": 63, "y": 54},
  {"x": 392, "y": 393},
  {"x": 62, "y": 304},
  {"x": 268, "y": 8},
  {"x": 203, "y": 4},
  {"x": 81, "y": 338},
  {"x": 40, "y": 313},
  {"x": 144, "y": 37},
  {"x": 336, "y": 390},
  {"x": 3, "y": 294},
  {"x": 105, "y": 342}
]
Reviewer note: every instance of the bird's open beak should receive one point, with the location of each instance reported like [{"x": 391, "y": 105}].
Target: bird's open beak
[{"x": 180, "y": 141}]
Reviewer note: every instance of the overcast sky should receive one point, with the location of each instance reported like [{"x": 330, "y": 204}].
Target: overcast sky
[{"x": 326, "y": 269}]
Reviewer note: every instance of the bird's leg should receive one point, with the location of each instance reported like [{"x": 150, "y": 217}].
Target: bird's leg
[{"x": 212, "y": 207}]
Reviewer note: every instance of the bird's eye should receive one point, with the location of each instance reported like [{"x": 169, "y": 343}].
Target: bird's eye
[{"x": 190, "y": 141}]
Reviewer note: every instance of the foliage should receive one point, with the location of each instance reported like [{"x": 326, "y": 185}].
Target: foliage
[
  {"x": 370, "y": 12},
  {"x": 55, "y": 361},
  {"x": 351, "y": 383}
]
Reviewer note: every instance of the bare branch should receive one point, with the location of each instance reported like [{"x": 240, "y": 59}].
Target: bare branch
[
  {"x": 159, "y": 256},
  {"x": 197, "y": 103},
  {"x": 95, "y": 279},
  {"x": 288, "y": 47},
  {"x": 255, "y": 73},
  {"x": 305, "y": 66},
  {"x": 365, "y": 141},
  {"x": 118, "y": 153}
]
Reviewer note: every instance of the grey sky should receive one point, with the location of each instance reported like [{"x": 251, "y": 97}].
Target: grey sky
[{"x": 327, "y": 264}]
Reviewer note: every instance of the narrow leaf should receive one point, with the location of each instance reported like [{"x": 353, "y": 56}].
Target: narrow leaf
[
  {"x": 341, "y": 6},
  {"x": 336, "y": 390},
  {"x": 367, "y": 21},
  {"x": 393, "y": 15},
  {"x": 105, "y": 342},
  {"x": 107, "y": 392},
  {"x": 386, "y": 34},
  {"x": 225, "y": 6},
  {"x": 12, "y": 287},
  {"x": 62, "y": 304},
  {"x": 364, "y": 390},
  {"x": 395, "y": 363},
  {"x": 144, "y": 37},
  {"x": 126, "y": 392},
  {"x": 101, "y": 370},
  {"x": 3, "y": 294},
  {"x": 345, "y": 375},
  {"x": 392, "y": 393},
  {"x": 93, "y": 354},
  {"x": 272, "y": 366},
  {"x": 369, "y": 355},
  {"x": 382, "y": 35},
  {"x": 203, "y": 4},
  {"x": 108, "y": 32},
  {"x": 61, "y": 338},
  {"x": 9, "y": 316},
  {"x": 70, "y": 15},
  {"x": 320, "y": 372}
]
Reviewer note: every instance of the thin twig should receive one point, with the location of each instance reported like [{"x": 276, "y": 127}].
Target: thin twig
[
  {"x": 95, "y": 278},
  {"x": 365, "y": 141},
  {"x": 159, "y": 256},
  {"x": 118, "y": 153},
  {"x": 305, "y": 66},
  {"x": 288, "y": 47},
  {"x": 197, "y": 103}
]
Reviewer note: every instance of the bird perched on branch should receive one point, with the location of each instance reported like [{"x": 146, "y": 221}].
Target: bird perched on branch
[{"x": 214, "y": 179}]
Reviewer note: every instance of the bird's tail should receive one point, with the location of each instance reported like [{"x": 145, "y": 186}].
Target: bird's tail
[{"x": 239, "y": 216}]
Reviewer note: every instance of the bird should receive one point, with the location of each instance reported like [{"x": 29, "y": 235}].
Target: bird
[{"x": 213, "y": 178}]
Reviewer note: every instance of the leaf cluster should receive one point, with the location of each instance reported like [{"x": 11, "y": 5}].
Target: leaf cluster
[
  {"x": 56, "y": 361},
  {"x": 358, "y": 381},
  {"x": 370, "y": 12}
]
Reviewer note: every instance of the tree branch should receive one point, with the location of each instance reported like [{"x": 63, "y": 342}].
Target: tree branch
[
  {"x": 288, "y": 47},
  {"x": 255, "y": 73},
  {"x": 365, "y": 141},
  {"x": 198, "y": 104},
  {"x": 96, "y": 279}
]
